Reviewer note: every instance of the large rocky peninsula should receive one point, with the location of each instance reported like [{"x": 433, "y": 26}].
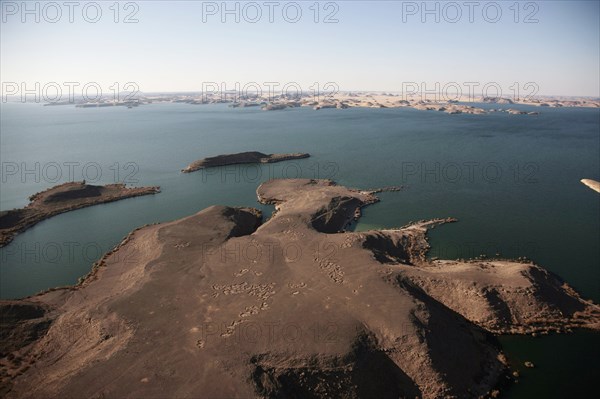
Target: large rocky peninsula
[
  {"x": 221, "y": 304},
  {"x": 62, "y": 198},
  {"x": 240, "y": 158}
]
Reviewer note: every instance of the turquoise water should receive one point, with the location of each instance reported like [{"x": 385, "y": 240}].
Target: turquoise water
[{"x": 511, "y": 180}]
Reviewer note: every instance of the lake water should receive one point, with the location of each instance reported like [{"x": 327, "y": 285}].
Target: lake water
[{"x": 513, "y": 181}]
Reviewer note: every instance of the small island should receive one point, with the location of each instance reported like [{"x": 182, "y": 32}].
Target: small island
[
  {"x": 241, "y": 158},
  {"x": 63, "y": 198}
]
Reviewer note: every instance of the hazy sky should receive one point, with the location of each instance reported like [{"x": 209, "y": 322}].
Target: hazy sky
[{"x": 175, "y": 46}]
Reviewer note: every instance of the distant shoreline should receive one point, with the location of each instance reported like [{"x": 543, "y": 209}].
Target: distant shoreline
[{"x": 444, "y": 102}]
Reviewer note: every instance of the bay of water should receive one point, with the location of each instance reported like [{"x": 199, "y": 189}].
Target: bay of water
[{"x": 513, "y": 181}]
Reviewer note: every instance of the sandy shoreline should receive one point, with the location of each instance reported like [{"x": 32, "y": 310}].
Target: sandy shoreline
[
  {"x": 442, "y": 102},
  {"x": 450, "y": 103}
]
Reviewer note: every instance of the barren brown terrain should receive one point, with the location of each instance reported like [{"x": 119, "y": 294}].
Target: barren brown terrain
[{"x": 221, "y": 304}]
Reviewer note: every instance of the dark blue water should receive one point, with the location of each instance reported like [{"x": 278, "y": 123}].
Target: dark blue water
[{"x": 513, "y": 181}]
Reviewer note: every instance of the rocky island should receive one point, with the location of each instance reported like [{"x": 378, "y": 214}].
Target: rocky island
[
  {"x": 240, "y": 158},
  {"x": 62, "y": 198},
  {"x": 221, "y": 304}
]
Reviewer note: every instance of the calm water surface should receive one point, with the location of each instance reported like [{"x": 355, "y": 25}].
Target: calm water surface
[{"x": 511, "y": 180}]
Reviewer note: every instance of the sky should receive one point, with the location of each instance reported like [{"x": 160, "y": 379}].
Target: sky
[{"x": 546, "y": 47}]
